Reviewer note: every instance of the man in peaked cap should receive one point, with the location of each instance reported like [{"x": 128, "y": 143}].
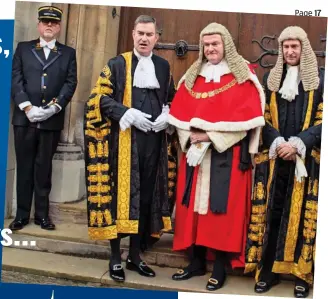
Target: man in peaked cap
[
  {"x": 44, "y": 79},
  {"x": 282, "y": 231},
  {"x": 218, "y": 112}
]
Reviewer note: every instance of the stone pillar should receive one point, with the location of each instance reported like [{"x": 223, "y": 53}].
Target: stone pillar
[{"x": 93, "y": 32}]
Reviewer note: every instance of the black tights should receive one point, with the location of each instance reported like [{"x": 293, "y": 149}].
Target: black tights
[
  {"x": 197, "y": 255},
  {"x": 134, "y": 250}
]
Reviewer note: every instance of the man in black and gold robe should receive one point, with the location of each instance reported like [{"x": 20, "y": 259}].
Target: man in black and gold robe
[
  {"x": 130, "y": 160},
  {"x": 282, "y": 231}
]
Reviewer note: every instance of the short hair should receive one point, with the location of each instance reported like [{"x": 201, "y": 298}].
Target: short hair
[{"x": 146, "y": 19}]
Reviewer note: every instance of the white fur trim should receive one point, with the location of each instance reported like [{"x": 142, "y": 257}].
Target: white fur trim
[
  {"x": 222, "y": 126},
  {"x": 224, "y": 140},
  {"x": 226, "y": 126},
  {"x": 184, "y": 136},
  {"x": 183, "y": 125},
  {"x": 203, "y": 185}
]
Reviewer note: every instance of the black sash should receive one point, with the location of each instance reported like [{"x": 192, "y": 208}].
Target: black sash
[{"x": 220, "y": 173}]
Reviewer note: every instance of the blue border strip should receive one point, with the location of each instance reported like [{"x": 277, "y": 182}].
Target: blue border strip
[{"x": 6, "y": 44}]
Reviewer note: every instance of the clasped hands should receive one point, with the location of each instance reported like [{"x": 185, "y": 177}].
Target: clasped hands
[
  {"x": 134, "y": 117},
  {"x": 199, "y": 144},
  {"x": 37, "y": 114},
  {"x": 286, "y": 152}
]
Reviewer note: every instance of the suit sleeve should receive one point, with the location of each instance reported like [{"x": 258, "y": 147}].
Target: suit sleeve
[
  {"x": 18, "y": 92},
  {"x": 67, "y": 91},
  {"x": 269, "y": 133},
  {"x": 312, "y": 136}
]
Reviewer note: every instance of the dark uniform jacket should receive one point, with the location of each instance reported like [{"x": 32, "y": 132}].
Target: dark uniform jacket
[{"x": 40, "y": 80}]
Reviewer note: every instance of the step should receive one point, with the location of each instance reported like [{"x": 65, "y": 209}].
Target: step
[
  {"x": 95, "y": 271},
  {"x": 75, "y": 212},
  {"x": 72, "y": 239}
]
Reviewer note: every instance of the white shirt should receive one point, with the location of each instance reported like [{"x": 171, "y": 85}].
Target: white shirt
[{"x": 47, "y": 46}]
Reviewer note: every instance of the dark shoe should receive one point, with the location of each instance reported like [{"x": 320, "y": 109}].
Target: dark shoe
[
  {"x": 141, "y": 268},
  {"x": 184, "y": 274},
  {"x": 301, "y": 290},
  {"x": 45, "y": 223},
  {"x": 117, "y": 273},
  {"x": 264, "y": 286},
  {"x": 18, "y": 224},
  {"x": 214, "y": 284}
]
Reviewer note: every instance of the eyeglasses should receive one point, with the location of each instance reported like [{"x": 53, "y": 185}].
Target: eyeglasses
[{"x": 52, "y": 22}]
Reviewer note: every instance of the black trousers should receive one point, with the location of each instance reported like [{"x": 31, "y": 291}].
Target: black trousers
[
  {"x": 35, "y": 149},
  {"x": 149, "y": 145},
  {"x": 285, "y": 170}
]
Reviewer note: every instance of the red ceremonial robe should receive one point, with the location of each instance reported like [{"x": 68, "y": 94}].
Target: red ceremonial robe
[{"x": 228, "y": 106}]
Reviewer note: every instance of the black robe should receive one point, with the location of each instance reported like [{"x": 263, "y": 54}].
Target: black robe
[
  {"x": 111, "y": 156},
  {"x": 295, "y": 248}
]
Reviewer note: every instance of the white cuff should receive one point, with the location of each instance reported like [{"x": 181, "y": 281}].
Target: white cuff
[
  {"x": 297, "y": 143},
  {"x": 183, "y": 138},
  {"x": 224, "y": 140},
  {"x": 24, "y": 105},
  {"x": 274, "y": 145}
]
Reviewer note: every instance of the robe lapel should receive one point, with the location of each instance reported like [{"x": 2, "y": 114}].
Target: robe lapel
[
  {"x": 301, "y": 105},
  {"x": 282, "y": 104},
  {"x": 160, "y": 78}
]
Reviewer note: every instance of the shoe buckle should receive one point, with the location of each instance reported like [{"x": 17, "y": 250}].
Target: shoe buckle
[
  {"x": 261, "y": 283},
  {"x": 117, "y": 267},
  {"x": 213, "y": 280},
  {"x": 300, "y": 288},
  {"x": 180, "y": 271},
  {"x": 143, "y": 263}
]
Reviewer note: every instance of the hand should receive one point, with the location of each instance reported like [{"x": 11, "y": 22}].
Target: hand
[
  {"x": 46, "y": 113},
  {"x": 161, "y": 122},
  {"x": 137, "y": 118},
  {"x": 32, "y": 112},
  {"x": 196, "y": 137},
  {"x": 286, "y": 151}
]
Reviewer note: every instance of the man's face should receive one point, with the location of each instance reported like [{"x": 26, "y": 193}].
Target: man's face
[
  {"x": 144, "y": 38},
  {"x": 292, "y": 50},
  {"x": 48, "y": 29},
  {"x": 213, "y": 48}
]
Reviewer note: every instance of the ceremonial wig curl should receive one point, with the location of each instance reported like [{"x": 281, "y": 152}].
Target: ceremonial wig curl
[
  {"x": 236, "y": 63},
  {"x": 308, "y": 63}
]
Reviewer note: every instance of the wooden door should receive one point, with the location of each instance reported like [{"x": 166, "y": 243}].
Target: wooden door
[{"x": 247, "y": 30}]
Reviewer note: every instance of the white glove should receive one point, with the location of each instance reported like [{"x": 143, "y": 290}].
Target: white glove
[
  {"x": 33, "y": 113},
  {"x": 196, "y": 153},
  {"x": 161, "y": 122},
  {"x": 126, "y": 120},
  {"x": 46, "y": 113},
  {"x": 136, "y": 118}
]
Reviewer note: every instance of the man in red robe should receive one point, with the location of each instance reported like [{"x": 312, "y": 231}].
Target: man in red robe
[{"x": 218, "y": 114}]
